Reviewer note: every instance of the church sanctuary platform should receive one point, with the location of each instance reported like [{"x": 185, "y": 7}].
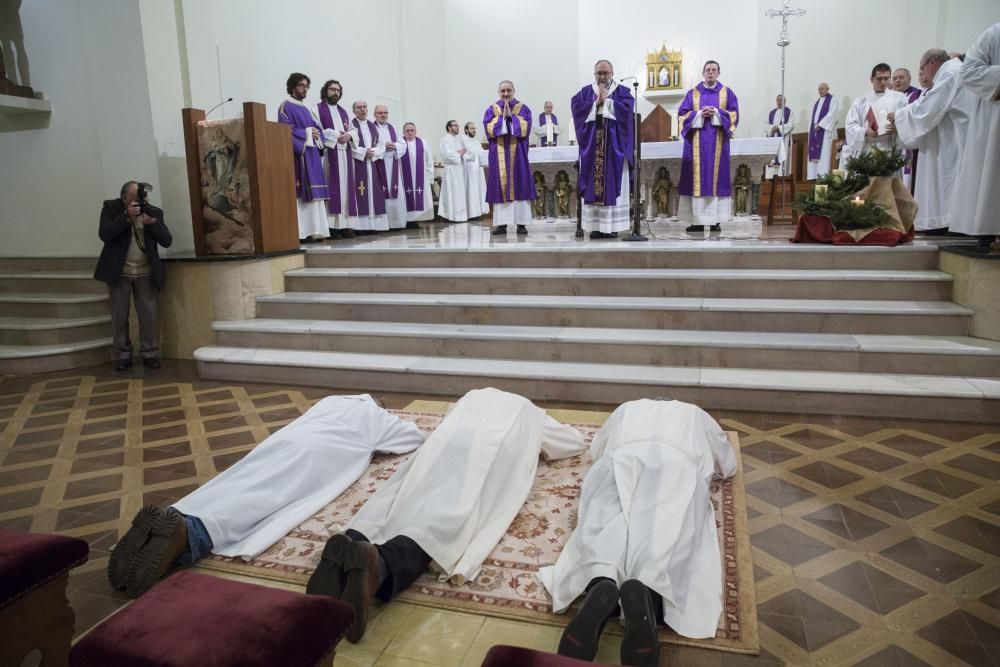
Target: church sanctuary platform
[{"x": 751, "y": 324}]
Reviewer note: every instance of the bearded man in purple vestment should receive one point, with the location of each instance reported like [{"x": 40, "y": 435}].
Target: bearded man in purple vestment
[
  {"x": 707, "y": 118},
  {"x": 604, "y": 117},
  {"x": 339, "y": 140},
  {"x": 307, "y": 138},
  {"x": 510, "y": 187}
]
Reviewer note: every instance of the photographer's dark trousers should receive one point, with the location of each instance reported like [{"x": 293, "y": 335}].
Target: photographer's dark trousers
[{"x": 122, "y": 293}]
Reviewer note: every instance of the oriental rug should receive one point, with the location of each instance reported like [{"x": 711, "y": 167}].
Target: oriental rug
[{"x": 507, "y": 586}]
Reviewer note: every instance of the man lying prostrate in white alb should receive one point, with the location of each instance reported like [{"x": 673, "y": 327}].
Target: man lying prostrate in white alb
[
  {"x": 645, "y": 523},
  {"x": 450, "y": 503},
  {"x": 283, "y": 481}
]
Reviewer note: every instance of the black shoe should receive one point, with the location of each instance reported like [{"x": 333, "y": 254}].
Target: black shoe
[
  {"x": 123, "y": 364},
  {"x": 614, "y": 235},
  {"x": 130, "y": 544},
  {"x": 640, "y": 645},
  {"x": 413, "y": 224},
  {"x": 334, "y": 234},
  {"x": 521, "y": 229},
  {"x": 716, "y": 227},
  {"x": 984, "y": 244},
  {"x": 695, "y": 228},
  {"x": 500, "y": 230},
  {"x": 328, "y": 577},
  {"x": 583, "y": 634},
  {"x": 597, "y": 235},
  {"x": 347, "y": 233},
  {"x": 151, "y": 363}
]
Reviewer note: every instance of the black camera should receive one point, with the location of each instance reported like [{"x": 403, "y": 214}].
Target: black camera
[{"x": 144, "y": 206}]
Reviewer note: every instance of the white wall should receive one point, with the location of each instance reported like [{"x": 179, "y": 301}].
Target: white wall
[
  {"x": 118, "y": 73},
  {"x": 87, "y": 58}
]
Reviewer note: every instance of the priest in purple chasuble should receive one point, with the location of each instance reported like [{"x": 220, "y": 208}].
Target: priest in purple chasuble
[
  {"x": 822, "y": 131},
  {"x": 510, "y": 187},
  {"x": 395, "y": 149},
  {"x": 339, "y": 139},
  {"x": 547, "y": 130},
  {"x": 418, "y": 174},
  {"x": 370, "y": 183},
  {"x": 780, "y": 123},
  {"x": 707, "y": 118},
  {"x": 604, "y": 117},
  {"x": 310, "y": 185}
]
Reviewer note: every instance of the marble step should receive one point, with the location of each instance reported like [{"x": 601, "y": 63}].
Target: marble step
[
  {"x": 20, "y": 304},
  {"x": 52, "y": 331},
  {"x": 811, "y": 392},
  {"x": 935, "y": 318},
  {"x": 55, "y": 282},
  {"x": 928, "y": 355},
  {"x": 650, "y": 255},
  {"x": 710, "y": 283},
  {"x": 72, "y": 264},
  {"x": 28, "y": 359}
]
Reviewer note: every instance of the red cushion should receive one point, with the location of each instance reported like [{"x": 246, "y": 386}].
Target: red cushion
[
  {"x": 196, "y": 619},
  {"x": 28, "y": 560},
  {"x": 516, "y": 656}
]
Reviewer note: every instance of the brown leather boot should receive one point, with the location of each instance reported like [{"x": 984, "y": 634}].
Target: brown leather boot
[{"x": 167, "y": 541}]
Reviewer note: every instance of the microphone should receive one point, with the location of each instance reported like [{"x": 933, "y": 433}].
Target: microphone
[{"x": 217, "y": 106}]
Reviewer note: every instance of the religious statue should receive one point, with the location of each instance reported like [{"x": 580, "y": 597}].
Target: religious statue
[
  {"x": 661, "y": 192},
  {"x": 563, "y": 192},
  {"x": 538, "y": 206},
  {"x": 741, "y": 190}
]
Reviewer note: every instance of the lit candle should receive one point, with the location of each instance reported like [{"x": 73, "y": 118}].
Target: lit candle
[
  {"x": 819, "y": 192},
  {"x": 858, "y": 201}
]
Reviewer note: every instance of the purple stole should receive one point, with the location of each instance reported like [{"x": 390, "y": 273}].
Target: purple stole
[
  {"x": 542, "y": 123},
  {"x": 361, "y": 184},
  {"x": 815, "y": 131},
  {"x": 334, "y": 206},
  {"x": 770, "y": 116},
  {"x": 394, "y": 185},
  {"x": 912, "y": 93},
  {"x": 414, "y": 196}
]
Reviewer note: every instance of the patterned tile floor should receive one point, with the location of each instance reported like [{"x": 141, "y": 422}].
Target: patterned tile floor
[{"x": 875, "y": 542}]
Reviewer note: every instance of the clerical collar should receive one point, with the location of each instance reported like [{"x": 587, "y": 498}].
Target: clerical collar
[
  {"x": 301, "y": 103},
  {"x": 708, "y": 87}
]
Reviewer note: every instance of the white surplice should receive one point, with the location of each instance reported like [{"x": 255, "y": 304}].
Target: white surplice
[
  {"x": 976, "y": 201},
  {"x": 341, "y": 153},
  {"x": 395, "y": 208},
  {"x": 295, "y": 472},
  {"x": 453, "y": 202},
  {"x": 457, "y": 496},
  {"x": 815, "y": 169},
  {"x": 936, "y": 124},
  {"x": 646, "y": 513},
  {"x": 428, "y": 169},
  {"x": 785, "y": 132},
  {"x": 855, "y": 140},
  {"x": 475, "y": 178},
  {"x": 372, "y": 221}
]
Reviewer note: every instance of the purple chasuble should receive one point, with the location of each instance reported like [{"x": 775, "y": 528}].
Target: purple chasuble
[
  {"x": 413, "y": 188},
  {"x": 542, "y": 122},
  {"x": 334, "y": 205},
  {"x": 605, "y": 150},
  {"x": 510, "y": 172},
  {"x": 815, "y": 131},
  {"x": 309, "y": 182},
  {"x": 784, "y": 116},
  {"x": 705, "y": 166},
  {"x": 361, "y": 184}
]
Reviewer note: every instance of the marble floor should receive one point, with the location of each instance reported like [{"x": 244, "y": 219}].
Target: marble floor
[{"x": 875, "y": 541}]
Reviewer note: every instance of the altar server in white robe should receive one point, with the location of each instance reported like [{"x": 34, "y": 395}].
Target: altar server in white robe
[
  {"x": 822, "y": 132},
  {"x": 475, "y": 176},
  {"x": 419, "y": 197},
  {"x": 369, "y": 170},
  {"x": 395, "y": 150},
  {"x": 283, "y": 481},
  {"x": 339, "y": 138},
  {"x": 976, "y": 201},
  {"x": 936, "y": 124},
  {"x": 780, "y": 123},
  {"x": 448, "y": 505},
  {"x": 646, "y": 514},
  {"x": 867, "y": 125},
  {"x": 453, "y": 202}
]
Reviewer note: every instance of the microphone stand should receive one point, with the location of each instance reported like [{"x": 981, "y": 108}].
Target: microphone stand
[{"x": 637, "y": 172}]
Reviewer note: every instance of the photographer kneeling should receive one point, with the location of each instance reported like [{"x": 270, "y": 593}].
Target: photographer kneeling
[{"x": 131, "y": 228}]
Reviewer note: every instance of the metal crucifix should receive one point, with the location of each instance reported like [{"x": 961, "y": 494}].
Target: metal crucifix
[{"x": 783, "y": 41}]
